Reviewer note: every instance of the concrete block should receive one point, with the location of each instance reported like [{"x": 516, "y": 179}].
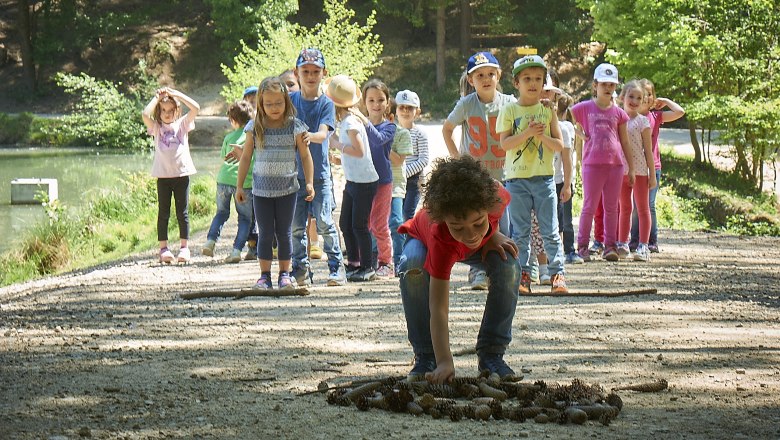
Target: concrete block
[{"x": 23, "y": 191}]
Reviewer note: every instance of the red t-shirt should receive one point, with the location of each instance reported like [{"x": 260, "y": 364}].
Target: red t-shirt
[{"x": 443, "y": 250}]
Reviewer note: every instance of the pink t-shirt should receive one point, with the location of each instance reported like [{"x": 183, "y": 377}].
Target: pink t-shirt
[
  {"x": 171, "y": 148},
  {"x": 602, "y": 146},
  {"x": 635, "y": 126},
  {"x": 656, "y": 118}
]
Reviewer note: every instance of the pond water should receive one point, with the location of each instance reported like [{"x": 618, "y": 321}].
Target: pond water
[{"x": 79, "y": 172}]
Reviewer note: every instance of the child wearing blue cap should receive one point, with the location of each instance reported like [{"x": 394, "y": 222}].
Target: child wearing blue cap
[{"x": 476, "y": 114}]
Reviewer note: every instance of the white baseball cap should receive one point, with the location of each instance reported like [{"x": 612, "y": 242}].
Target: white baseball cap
[
  {"x": 548, "y": 85},
  {"x": 407, "y": 97},
  {"x": 606, "y": 72}
]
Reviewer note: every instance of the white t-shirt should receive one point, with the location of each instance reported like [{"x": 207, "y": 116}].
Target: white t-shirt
[
  {"x": 356, "y": 169},
  {"x": 567, "y": 135},
  {"x": 634, "y": 127}
]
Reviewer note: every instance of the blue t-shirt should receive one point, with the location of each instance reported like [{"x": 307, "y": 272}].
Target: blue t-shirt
[
  {"x": 380, "y": 138},
  {"x": 313, "y": 114}
]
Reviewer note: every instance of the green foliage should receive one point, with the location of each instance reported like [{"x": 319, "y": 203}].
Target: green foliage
[
  {"x": 104, "y": 117},
  {"x": 243, "y": 20},
  {"x": 15, "y": 129},
  {"x": 349, "y": 48}
]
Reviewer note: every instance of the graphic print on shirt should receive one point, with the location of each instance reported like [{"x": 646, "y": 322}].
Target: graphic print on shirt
[
  {"x": 532, "y": 144},
  {"x": 480, "y": 138},
  {"x": 603, "y": 135},
  {"x": 169, "y": 140}
]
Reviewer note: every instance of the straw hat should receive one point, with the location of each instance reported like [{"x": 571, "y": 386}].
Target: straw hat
[{"x": 342, "y": 90}]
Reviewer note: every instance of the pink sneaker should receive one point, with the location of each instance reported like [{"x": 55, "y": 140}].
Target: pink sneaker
[{"x": 385, "y": 271}]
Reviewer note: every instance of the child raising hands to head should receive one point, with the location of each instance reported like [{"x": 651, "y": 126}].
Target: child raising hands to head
[{"x": 276, "y": 136}]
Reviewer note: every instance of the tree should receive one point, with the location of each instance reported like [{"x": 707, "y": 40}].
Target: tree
[
  {"x": 349, "y": 48},
  {"x": 237, "y": 20},
  {"x": 26, "y": 14}
]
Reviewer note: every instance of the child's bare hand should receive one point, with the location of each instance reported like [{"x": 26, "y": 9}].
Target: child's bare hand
[
  {"x": 443, "y": 373},
  {"x": 306, "y": 137},
  {"x": 565, "y": 193},
  {"x": 501, "y": 244},
  {"x": 309, "y": 192},
  {"x": 631, "y": 177},
  {"x": 535, "y": 129},
  {"x": 547, "y": 103},
  {"x": 234, "y": 155},
  {"x": 240, "y": 196},
  {"x": 653, "y": 182}
]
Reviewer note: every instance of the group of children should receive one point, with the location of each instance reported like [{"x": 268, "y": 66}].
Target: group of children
[{"x": 509, "y": 181}]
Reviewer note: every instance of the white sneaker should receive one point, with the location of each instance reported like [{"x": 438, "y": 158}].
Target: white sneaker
[
  {"x": 184, "y": 255},
  {"x": 166, "y": 256},
  {"x": 235, "y": 256},
  {"x": 642, "y": 253},
  {"x": 545, "y": 279},
  {"x": 480, "y": 281}
]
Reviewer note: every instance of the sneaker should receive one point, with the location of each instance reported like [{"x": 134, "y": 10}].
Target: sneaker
[
  {"x": 622, "y": 250},
  {"x": 642, "y": 253},
  {"x": 573, "y": 258},
  {"x": 264, "y": 283},
  {"x": 545, "y": 279},
  {"x": 286, "y": 282},
  {"x": 494, "y": 363},
  {"x": 235, "y": 256},
  {"x": 384, "y": 271},
  {"x": 525, "y": 284},
  {"x": 208, "y": 248},
  {"x": 315, "y": 252},
  {"x": 362, "y": 275},
  {"x": 350, "y": 270},
  {"x": 251, "y": 253},
  {"x": 611, "y": 255},
  {"x": 184, "y": 255},
  {"x": 423, "y": 363},
  {"x": 166, "y": 256},
  {"x": 559, "y": 284},
  {"x": 534, "y": 275},
  {"x": 303, "y": 276},
  {"x": 653, "y": 248},
  {"x": 596, "y": 248},
  {"x": 584, "y": 254},
  {"x": 479, "y": 281},
  {"x": 336, "y": 277}
]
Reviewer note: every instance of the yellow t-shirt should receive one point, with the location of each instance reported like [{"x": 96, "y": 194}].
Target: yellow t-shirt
[{"x": 532, "y": 158}]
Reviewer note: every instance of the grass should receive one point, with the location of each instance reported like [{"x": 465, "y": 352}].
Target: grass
[{"x": 114, "y": 225}]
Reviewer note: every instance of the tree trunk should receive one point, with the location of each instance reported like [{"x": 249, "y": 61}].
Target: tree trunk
[
  {"x": 695, "y": 143},
  {"x": 465, "y": 28},
  {"x": 26, "y": 37},
  {"x": 440, "y": 49}
]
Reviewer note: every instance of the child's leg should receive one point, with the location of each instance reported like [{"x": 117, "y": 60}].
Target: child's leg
[
  {"x": 395, "y": 220},
  {"x": 610, "y": 195},
  {"x": 546, "y": 206},
  {"x": 642, "y": 200},
  {"x": 412, "y": 197},
  {"x": 164, "y": 194},
  {"x": 378, "y": 225},
  {"x": 568, "y": 226},
  {"x": 345, "y": 223},
  {"x": 537, "y": 244},
  {"x": 593, "y": 180},
  {"x": 181, "y": 195},
  {"x": 284, "y": 208},
  {"x": 598, "y": 220},
  {"x": 265, "y": 212},
  {"x": 300, "y": 254},
  {"x": 653, "y": 194},
  {"x": 520, "y": 215},
  {"x": 495, "y": 332},
  {"x": 361, "y": 211},
  {"x": 224, "y": 195},
  {"x": 312, "y": 232},
  {"x": 322, "y": 211},
  {"x": 625, "y": 208},
  {"x": 415, "y": 282},
  {"x": 245, "y": 216}
]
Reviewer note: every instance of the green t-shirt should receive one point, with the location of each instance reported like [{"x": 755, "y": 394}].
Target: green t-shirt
[
  {"x": 532, "y": 158},
  {"x": 228, "y": 172},
  {"x": 402, "y": 144}
]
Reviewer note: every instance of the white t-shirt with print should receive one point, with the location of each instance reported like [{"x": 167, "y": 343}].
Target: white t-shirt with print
[{"x": 356, "y": 169}]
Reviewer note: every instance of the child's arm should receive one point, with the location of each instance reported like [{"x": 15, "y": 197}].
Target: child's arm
[
  {"x": 511, "y": 141},
  {"x": 148, "y": 111},
  {"x": 417, "y": 166},
  {"x": 554, "y": 142},
  {"x": 447, "y": 130},
  {"x": 308, "y": 165},
  {"x": 381, "y": 137},
  {"x": 439, "y": 305},
  {"x": 623, "y": 133},
  {"x": 356, "y": 149},
  {"x": 243, "y": 166},
  {"x": 320, "y": 135},
  {"x": 675, "y": 111},
  {"x": 567, "y": 171},
  {"x": 189, "y": 102},
  {"x": 647, "y": 144},
  {"x": 397, "y": 159}
]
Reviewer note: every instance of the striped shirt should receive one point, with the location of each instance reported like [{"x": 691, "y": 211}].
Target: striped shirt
[
  {"x": 275, "y": 173},
  {"x": 418, "y": 160}
]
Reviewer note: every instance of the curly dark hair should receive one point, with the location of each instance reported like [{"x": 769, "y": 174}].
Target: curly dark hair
[{"x": 457, "y": 187}]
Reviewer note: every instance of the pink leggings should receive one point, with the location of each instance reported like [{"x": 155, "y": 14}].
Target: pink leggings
[
  {"x": 642, "y": 201},
  {"x": 600, "y": 182},
  {"x": 378, "y": 224}
]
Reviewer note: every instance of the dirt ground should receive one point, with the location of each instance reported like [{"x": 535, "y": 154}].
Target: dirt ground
[{"x": 114, "y": 353}]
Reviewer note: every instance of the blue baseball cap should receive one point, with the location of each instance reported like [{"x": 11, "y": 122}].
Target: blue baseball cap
[
  {"x": 249, "y": 90},
  {"x": 481, "y": 59},
  {"x": 311, "y": 56}
]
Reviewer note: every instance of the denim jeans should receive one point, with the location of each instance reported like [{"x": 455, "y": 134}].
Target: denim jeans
[
  {"x": 537, "y": 193},
  {"x": 653, "y": 221},
  {"x": 565, "y": 224},
  {"x": 495, "y": 333},
  {"x": 321, "y": 209},
  {"x": 355, "y": 211},
  {"x": 412, "y": 197},
  {"x": 226, "y": 193},
  {"x": 395, "y": 220}
]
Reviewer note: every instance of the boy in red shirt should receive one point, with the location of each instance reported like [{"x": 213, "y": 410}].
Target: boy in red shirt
[{"x": 458, "y": 223}]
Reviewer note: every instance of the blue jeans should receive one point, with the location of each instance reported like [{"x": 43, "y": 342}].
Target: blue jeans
[
  {"x": 226, "y": 193},
  {"x": 321, "y": 209},
  {"x": 495, "y": 333},
  {"x": 395, "y": 220},
  {"x": 412, "y": 197},
  {"x": 537, "y": 193},
  {"x": 355, "y": 211},
  {"x": 565, "y": 222},
  {"x": 635, "y": 216}
]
